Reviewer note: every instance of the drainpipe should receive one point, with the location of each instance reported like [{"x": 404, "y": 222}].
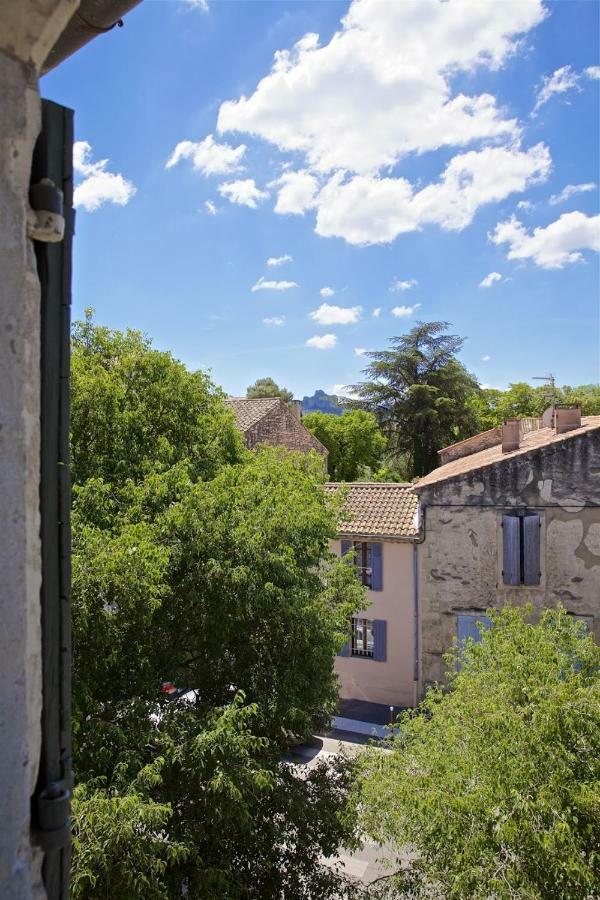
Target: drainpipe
[{"x": 416, "y": 623}]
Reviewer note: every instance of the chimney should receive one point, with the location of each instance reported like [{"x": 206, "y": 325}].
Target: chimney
[
  {"x": 568, "y": 419},
  {"x": 296, "y": 407},
  {"x": 511, "y": 432}
]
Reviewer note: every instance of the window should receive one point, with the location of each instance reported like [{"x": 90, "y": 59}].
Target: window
[
  {"x": 368, "y": 639},
  {"x": 362, "y": 637},
  {"x": 368, "y": 562},
  {"x": 467, "y": 627},
  {"x": 521, "y": 549}
]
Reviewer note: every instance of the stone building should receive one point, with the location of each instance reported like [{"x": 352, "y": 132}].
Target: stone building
[
  {"x": 510, "y": 516},
  {"x": 381, "y": 524},
  {"x": 271, "y": 421}
]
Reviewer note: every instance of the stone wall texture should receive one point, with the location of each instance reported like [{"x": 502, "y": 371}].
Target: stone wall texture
[
  {"x": 460, "y": 562},
  {"x": 28, "y": 29},
  {"x": 281, "y": 428}
]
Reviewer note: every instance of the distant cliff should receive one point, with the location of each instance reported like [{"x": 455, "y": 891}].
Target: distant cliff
[{"x": 322, "y": 402}]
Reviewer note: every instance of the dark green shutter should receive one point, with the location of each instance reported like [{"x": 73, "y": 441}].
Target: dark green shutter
[{"x": 53, "y": 159}]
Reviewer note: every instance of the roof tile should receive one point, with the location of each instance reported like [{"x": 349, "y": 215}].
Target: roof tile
[{"x": 378, "y": 509}]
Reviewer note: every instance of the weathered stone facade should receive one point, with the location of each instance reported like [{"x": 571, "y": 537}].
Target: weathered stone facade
[
  {"x": 28, "y": 30},
  {"x": 460, "y": 561},
  {"x": 270, "y": 421}
]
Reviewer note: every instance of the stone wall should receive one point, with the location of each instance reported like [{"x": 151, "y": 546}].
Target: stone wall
[
  {"x": 281, "y": 428},
  {"x": 461, "y": 558},
  {"x": 28, "y": 29}
]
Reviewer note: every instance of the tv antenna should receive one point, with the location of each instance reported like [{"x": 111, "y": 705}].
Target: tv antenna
[{"x": 549, "y": 393}]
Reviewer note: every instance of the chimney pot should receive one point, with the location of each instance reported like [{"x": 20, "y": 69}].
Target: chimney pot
[
  {"x": 568, "y": 419},
  {"x": 511, "y": 433},
  {"x": 297, "y": 409}
]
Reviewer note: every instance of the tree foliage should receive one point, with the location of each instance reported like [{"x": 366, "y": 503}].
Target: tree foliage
[
  {"x": 420, "y": 394},
  {"x": 353, "y": 440},
  {"x": 266, "y": 387},
  {"x": 492, "y": 406},
  {"x": 196, "y": 562},
  {"x": 495, "y": 782}
]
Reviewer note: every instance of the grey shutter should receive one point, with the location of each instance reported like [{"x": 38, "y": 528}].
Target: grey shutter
[
  {"x": 511, "y": 557},
  {"x": 380, "y": 640},
  {"x": 377, "y": 567},
  {"x": 467, "y": 628},
  {"x": 531, "y": 549},
  {"x": 346, "y": 547}
]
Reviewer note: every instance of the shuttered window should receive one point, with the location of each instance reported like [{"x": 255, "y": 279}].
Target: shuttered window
[
  {"x": 368, "y": 559},
  {"x": 521, "y": 549},
  {"x": 468, "y": 627},
  {"x": 368, "y": 639}
]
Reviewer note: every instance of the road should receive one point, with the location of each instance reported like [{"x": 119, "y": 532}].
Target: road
[{"x": 371, "y": 861}]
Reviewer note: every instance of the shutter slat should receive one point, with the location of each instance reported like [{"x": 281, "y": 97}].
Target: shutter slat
[
  {"x": 377, "y": 566},
  {"x": 511, "y": 563},
  {"x": 531, "y": 549},
  {"x": 380, "y": 640}
]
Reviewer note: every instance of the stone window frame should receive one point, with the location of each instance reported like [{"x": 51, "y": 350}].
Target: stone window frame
[{"x": 520, "y": 588}]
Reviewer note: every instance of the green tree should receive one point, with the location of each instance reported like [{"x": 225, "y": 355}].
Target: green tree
[
  {"x": 353, "y": 440},
  {"x": 420, "y": 394},
  {"x": 266, "y": 387},
  {"x": 495, "y": 782},
  {"x": 197, "y": 562}
]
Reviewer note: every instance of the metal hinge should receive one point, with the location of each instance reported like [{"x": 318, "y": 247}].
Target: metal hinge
[
  {"x": 45, "y": 220},
  {"x": 53, "y": 825}
]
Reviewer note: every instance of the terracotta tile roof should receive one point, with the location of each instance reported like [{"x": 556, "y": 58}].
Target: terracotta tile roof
[
  {"x": 530, "y": 441},
  {"x": 378, "y": 509},
  {"x": 248, "y": 412}
]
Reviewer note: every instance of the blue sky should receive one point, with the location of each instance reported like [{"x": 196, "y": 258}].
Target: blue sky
[{"x": 410, "y": 152}]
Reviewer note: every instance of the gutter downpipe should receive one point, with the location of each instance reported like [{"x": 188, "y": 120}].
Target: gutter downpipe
[{"x": 416, "y": 622}]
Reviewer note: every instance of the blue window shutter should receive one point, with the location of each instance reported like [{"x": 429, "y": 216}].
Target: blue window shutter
[
  {"x": 511, "y": 558},
  {"x": 345, "y": 651},
  {"x": 346, "y": 547},
  {"x": 467, "y": 627},
  {"x": 531, "y": 549},
  {"x": 380, "y": 640},
  {"x": 377, "y": 566}
]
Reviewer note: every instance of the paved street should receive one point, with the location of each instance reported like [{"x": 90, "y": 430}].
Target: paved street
[{"x": 369, "y": 862}]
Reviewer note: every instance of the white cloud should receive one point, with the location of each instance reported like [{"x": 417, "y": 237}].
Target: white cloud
[
  {"x": 399, "y": 59},
  {"x": 376, "y": 312},
  {"x": 275, "y": 320},
  {"x": 327, "y": 292},
  {"x": 263, "y": 285},
  {"x": 486, "y": 358},
  {"x": 198, "y": 4},
  {"x": 593, "y": 72},
  {"x": 403, "y": 312},
  {"x": 371, "y": 210},
  {"x": 244, "y": 192},
  {"x": 98, "y": 185},
  {"x": 279, "y": 260},
  {"x": 490, "y": 279},
  {"x": 398, "y": 285},
  {"x": 361, "y": 351},
  {"x": 561, "y": 81},
  {"x": 208, "y": 156},
  {"x": 526, "y": 205},
  {"x": 344, "y": 390},
  {"x": 335, "y": 315},
  {"x": 297, "y": 192},
  {"x": 322, "y": 341},
  {"x": 570, "y": 190},
  {"x": 210, "y": 207},
  {"x": 552, "y": 247}
]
